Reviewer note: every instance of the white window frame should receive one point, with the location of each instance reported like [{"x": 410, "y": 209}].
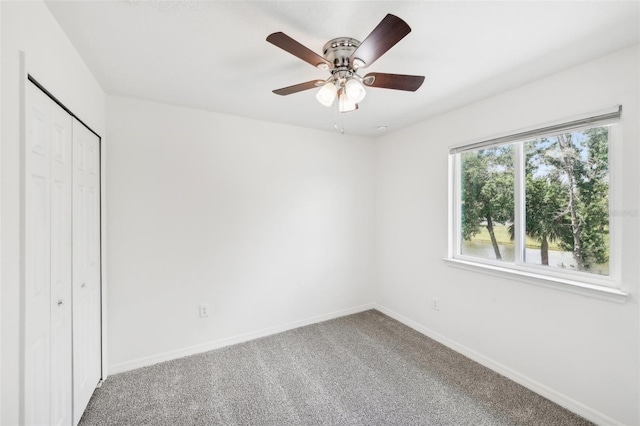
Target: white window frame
[{"x": 606, "y": 287}]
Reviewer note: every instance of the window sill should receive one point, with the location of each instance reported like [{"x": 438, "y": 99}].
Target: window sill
[{"x": 585, "y": 289}]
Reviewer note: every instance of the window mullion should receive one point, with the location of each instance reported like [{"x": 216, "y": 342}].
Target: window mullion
[{"x": 519, "y": 202}]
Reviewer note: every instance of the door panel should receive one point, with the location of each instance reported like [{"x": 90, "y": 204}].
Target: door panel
[
  {"x": 86, "y": 266},
  {"x": 47, "y": 309},
  {"x": 37, "y": 291},
  {"x": 61, "y": 327}
]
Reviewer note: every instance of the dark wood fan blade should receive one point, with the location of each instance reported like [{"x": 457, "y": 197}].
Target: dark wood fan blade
[
  {"x": 298, "y": 87},
  {"x": 288, "y": 44},
  {"x": 410, "y": 83},
  {"x": 383, "y": 37}
]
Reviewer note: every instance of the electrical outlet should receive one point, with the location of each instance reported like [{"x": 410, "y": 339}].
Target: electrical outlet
[
  {"x": 435, "y": 304},
  {"x": 204, "y": 310}
]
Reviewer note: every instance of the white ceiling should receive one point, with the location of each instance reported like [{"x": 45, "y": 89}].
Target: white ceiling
[{"x": 213, "y": 55}]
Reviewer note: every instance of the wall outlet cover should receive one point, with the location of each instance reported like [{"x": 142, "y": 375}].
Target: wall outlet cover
[{"x": 204, "y": 310}]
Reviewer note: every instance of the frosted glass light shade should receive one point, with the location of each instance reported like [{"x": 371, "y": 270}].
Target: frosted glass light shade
[
  {"x": 327, "y": 94},
  {"x": 345, "y": 104},
  {"x": 355, "y": 90}
]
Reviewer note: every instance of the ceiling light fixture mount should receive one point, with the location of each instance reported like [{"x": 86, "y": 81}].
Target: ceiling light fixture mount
[{"x": 342, "y": 57}]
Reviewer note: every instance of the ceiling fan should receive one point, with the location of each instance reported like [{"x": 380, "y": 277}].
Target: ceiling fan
[{"x": 343, "y": 57}]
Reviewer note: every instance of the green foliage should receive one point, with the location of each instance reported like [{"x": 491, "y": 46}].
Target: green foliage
[
  {"x": 567, "y": 185},
  {"x": 487, "y": 190},
  {"x": 546, "y": 199}
]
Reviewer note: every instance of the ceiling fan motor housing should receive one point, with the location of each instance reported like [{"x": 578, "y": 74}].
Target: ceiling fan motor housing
[{"x": 339, "y": 50}]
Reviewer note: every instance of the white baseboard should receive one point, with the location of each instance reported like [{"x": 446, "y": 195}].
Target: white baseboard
[
  {"x": 220, "y": 343},
  {"x": 537, "y": 387}
]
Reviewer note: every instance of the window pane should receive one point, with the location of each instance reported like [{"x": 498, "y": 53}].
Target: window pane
[
  {"x": 487, "y": 203},
  {"x": 567, "y": 201}
]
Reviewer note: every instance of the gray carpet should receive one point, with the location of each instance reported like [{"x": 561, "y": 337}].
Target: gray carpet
[{"x": 362, "y": 369}]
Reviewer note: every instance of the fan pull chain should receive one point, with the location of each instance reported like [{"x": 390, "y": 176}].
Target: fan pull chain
[{"x": 338, "y": 115}]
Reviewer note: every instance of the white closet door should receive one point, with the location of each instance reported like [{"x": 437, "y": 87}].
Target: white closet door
[
  {"x": 61, "y": 265},
  {"x": 47, "y": 334},
  {"x": 86, "y": 266},
  {"x": 37, "y": 369}
]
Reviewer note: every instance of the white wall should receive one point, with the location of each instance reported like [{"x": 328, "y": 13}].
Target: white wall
[
  {"x": 29, "y": 27},
  {"x": 582, "y": 352},
  {"x": 271, "y": 225}
]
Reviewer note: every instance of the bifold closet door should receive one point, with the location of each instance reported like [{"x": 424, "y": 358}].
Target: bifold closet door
[
  {"x": 47, "y": 268},
  {"x": 62, "y": 291},
  {"x": 86, "y": 267}
]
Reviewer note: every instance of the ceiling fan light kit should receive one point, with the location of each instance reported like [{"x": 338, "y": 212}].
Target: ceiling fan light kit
[
  {"x": 342, "y": 57},
  {"x": 355, "y": 90},
  {"x": 327, "y": 94},
  {"x": 345, "y": 104}
]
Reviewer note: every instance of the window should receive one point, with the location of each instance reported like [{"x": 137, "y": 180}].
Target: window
[{"x": 538, "y": 201}]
